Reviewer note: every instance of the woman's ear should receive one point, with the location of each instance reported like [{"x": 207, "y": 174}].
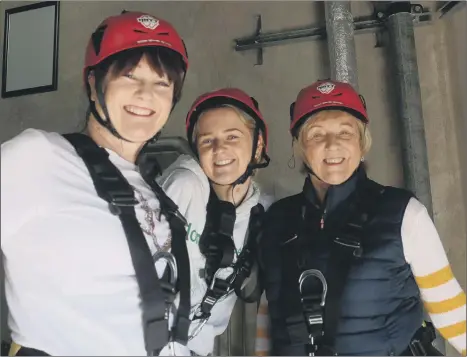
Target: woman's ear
[{"x": 259, "y": 147}]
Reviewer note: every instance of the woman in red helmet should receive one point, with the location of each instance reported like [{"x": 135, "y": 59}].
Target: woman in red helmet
[
  {"x": 83, "y": 241},
  {"x": 221, "y": 203},
  {"x": 348, "y": 264}
]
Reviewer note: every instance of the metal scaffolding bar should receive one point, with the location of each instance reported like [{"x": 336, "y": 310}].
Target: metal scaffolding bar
[
  {"x": 261, "y": 40},
  {"x": 409, "y": 106},
  {"x": 341, "y": 43}
]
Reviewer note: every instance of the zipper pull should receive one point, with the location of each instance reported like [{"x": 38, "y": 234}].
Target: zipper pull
[{"x": 322, "y": 220}]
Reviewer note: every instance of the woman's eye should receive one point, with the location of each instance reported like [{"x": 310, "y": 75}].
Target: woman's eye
[
  {"x": 345, "y": 134},
  {"x": 130, "y": 75},
  {"x": 317, "y": 136},
  {"x": 232, "y": 137},
  {"x": 163, "y": 84}
]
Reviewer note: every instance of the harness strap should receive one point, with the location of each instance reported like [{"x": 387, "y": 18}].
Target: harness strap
[
  {"x": 177, "y": 224},
  {"x": 218, "y": 238},
  {"x": 247, "y": 259},
  {"x": 157, "y": 296}
]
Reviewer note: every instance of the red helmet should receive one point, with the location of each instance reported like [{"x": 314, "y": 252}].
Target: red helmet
[
  {"x": 326, "y": 95},
  {"x": 233, "y": 96},
  {"x": 131, "y": 30}
]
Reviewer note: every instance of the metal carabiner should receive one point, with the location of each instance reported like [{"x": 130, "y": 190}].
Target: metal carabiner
[
  {"x": 317, "y": 274},
  {"x": 198, "y": 328},
  {"x": 171, "y": 262},
  {"x": 173, "y": 276},
  {"x": 204, "y": 320}
]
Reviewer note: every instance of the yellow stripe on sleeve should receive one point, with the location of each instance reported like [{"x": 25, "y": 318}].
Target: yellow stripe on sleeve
[
  {"x": 446, "y": 305},
  {"x": 435, "y": 279},
  {"x": 453, "y": 330}
]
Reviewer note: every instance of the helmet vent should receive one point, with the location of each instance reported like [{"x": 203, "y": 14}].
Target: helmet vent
[{"x": 97, "y": 38}]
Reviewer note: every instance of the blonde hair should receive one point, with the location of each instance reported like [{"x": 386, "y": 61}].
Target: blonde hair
[
  {"x": 363, "y": 130},
  {"x": 246, "y": 119}
]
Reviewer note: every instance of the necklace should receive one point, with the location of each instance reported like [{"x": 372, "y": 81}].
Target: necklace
[{"x": 150, "y": 224}]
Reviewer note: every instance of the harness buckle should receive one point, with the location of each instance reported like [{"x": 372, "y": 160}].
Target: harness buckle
[
  {"x": 417, "y": 349},
  {"x": 215, "y": 277},
  {"x": 117, "y": 202}
]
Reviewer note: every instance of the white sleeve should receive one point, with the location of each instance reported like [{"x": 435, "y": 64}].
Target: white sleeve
[
  {"x": 441, "y": 293},
  {"x": 186, "y": 189},
  {"x": 25, "y": 161}
]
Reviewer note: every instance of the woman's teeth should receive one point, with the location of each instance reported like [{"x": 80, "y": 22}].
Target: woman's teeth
[
  {"x": 337, "y": 160},
  {"x": 138, "y": 110},
  {"x": 223, "y": 162}
]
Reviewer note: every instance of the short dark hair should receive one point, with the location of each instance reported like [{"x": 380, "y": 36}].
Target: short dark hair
[{"x": 161, "y": 59}]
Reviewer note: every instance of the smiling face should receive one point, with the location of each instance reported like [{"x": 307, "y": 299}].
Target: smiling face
[
  {"x": 331, "y": 145},
  {"x": 138, "y": 101},
  {"x": 224, "y": 141}
]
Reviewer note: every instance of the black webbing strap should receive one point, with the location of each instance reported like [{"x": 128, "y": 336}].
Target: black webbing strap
[
  {"x": 147, "y": 161},
  {"x": 247, "y": 259},
  {"x": 219, "y": 251},
  {"x": 216, "y": 242},
  {"x": 112, "y": 186},
  {"x": 177, "y": 224}
]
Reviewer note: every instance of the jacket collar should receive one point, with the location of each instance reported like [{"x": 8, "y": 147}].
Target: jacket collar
[{"x": 336, "y": 193}]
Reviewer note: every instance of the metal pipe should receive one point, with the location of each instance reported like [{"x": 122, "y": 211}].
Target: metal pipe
[
  {"x": 404, "y": 58},
  {"x": 341, "y": 43},
  {"x": 415, "y": 161}
]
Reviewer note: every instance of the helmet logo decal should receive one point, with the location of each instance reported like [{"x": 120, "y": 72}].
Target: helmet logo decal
[
  {"x": 326, "y": 88},
  {"x": 148, "y": 21}
]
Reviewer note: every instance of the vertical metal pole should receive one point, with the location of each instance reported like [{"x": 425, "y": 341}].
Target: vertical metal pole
[
  {"x": 341, "y": 43},
  {"x": 405, "y": 69}
]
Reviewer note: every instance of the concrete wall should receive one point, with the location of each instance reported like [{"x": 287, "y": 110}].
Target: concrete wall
[{"x": 209, "y": 29}]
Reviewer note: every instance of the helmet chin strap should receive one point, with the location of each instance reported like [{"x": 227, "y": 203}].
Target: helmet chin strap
[
  {"x": 252, "y": 165},
  {"x": 311, "y": 172},
  {"x": 108, "y": 123},
  {"x": 101, "y": 100}
]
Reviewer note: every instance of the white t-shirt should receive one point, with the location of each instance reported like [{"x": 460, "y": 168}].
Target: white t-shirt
[
  {"x": 185, "y": 182},
  {"x": 70, "y": 283}
]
